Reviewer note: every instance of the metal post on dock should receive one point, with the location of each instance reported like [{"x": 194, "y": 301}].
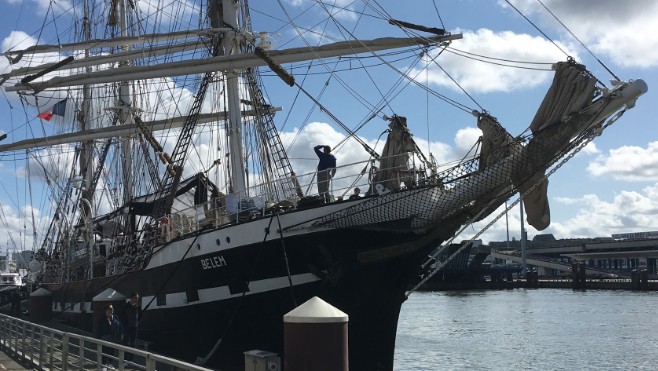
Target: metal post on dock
[
  {"x": 315, "y": 338},
  {"x": 41, "y": 305}
]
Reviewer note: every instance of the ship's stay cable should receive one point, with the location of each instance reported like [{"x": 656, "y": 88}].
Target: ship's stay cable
[
  {"x": 171, "y": 275},
  {"x": 285, "y": 258},
  {"x": 565, "y": 155},
  {"x": 340, "y": 27},
  {"x": 487, "y": 59},
  {"x": 577, "y": 39},
  {"x": 345, "y": 85},
  {"x": 337, "y": 121},
  {"x": 322, "y": 91},
  {"x": 308, "y": 114},
  {"x": 438, "y": 14},
  {"x": 433, "y": 60},
  {"x": 375, "y": 55},
  {"x": 537, "y": 28},
  {"x": 552, "y": 41},
  {"x": 384, "y": 100},
  {"x": 236, "y": 309},
  {"x": 386, "y": 15},
  {"x": 113, "y": 279}
]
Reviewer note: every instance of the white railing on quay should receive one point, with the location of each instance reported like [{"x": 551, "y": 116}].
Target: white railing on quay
[{"x": 50, "y": 349}]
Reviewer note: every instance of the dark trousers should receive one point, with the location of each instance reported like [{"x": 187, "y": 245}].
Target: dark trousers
[
  {"x": 323, "y": 184},
  {"x": 107, "y": 359},
  {"x": 130, "y": 338}
]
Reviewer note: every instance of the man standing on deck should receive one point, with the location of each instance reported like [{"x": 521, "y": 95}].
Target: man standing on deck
[{"x": 326, "y": 170}]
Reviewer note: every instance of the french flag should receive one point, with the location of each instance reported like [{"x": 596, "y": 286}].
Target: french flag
[{"x": 58, "y": 109}]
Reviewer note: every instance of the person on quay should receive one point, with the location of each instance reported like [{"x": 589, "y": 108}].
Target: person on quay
[
  {"x": 15, "y": 298},
  {"x": 326, "y": 170},
  {"x": 133, "y": 313},
  {"x": 109, "y": 328}
]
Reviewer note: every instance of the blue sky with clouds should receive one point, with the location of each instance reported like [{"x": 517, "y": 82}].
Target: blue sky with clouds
[{"x": 610, "y": 187}]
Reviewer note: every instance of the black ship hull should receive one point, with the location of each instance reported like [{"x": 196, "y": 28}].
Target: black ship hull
[{"x": 237, "y": 296}]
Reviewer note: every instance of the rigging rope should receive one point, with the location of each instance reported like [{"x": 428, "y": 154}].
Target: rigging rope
[
  {"x": 433, "y": 59},
  {"x": 537, "y": 28},
  {"x": 489, "y": 60},
  {"x": 285, "y": 258},
  {"x": 337, "y": 121},
  {"x": 567, "y": 154},
  {"x": 577, "y": 39}
]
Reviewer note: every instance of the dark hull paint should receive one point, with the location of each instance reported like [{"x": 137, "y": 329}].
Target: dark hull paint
[{"x": 362, "y": 272}]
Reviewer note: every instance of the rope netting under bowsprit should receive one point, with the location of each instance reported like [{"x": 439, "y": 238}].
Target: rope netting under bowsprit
[{"x": 568, "y": 153}]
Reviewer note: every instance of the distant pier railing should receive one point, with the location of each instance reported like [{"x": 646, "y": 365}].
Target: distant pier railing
[{"x": 50, "y": 349}]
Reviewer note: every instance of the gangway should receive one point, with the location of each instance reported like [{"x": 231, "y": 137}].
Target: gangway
[
  {"x": 51, "y": 349},
  {"x": 545, "y": 263}
]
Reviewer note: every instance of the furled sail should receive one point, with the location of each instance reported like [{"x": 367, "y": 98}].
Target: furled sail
[
  {"x": 393, "y": 161},
  {"x": 571, "y": 91}
]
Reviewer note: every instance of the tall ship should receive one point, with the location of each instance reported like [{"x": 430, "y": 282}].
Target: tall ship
[{"x": 168, "y": 177}]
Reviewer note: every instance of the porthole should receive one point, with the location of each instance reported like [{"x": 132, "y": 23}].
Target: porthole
[
  {"x": 218, "y": 242},
  {"x": 228, "y": 239}
]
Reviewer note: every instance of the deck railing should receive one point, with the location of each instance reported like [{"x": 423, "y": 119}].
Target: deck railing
[
  {"x": 50, "y": 349},
  {"x": 348, "y": 177}
]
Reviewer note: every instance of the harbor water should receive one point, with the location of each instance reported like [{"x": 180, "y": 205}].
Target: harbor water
[{"x": 528, "y": 329}]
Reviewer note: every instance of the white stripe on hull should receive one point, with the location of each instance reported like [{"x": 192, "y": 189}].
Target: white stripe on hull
[{"x": 208, "y": 295}]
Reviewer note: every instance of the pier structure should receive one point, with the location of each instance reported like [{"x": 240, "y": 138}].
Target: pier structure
[
  {"x": 618, "y": 256},
  {"x": 26, "y": 346},
  {"x": 622, "y": 261}
]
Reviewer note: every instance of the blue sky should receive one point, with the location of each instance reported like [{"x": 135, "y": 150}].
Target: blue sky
[{"x": 610, "y": 187}]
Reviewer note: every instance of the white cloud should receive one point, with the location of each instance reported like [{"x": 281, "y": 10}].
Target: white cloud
[
  {"x": 42, "y": 6},
  {"x": 628, "y": 211},
  {"x": 590, "y": 149},
  {"x": 630, "y": 163},
  {"x": 620, "y": 30},
  {"x": 465, "y": 139},
  {"x": 341, "y": 9},
  {"x": 304, "y": 161},
  {"x": 52, "y": 164},
  {"x": 475, "y": 76},
  {"x": 15, "y": 225},
  {"x": 18, "y": 40}
]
